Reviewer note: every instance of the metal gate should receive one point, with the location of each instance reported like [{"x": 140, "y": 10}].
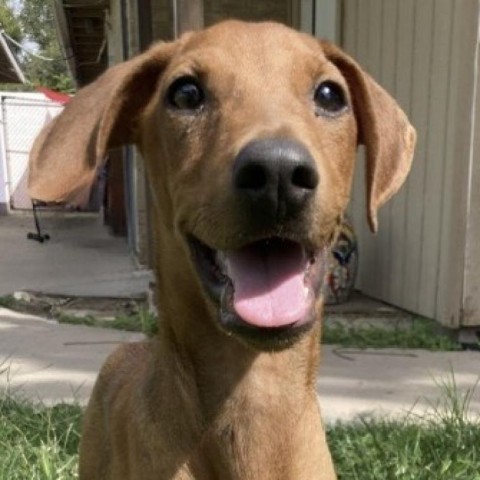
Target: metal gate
[{"x": 22, "y": 119}]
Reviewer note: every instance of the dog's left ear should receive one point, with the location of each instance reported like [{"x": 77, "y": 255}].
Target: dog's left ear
[
  {"x": 69, "y": 150},
  {"x": 383, "y": 128}
]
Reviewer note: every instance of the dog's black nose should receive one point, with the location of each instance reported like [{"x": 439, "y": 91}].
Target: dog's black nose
[{"x": 275, "y": 176}]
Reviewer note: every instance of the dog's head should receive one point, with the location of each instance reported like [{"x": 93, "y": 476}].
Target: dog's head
[{"x": 249, "y": 133}]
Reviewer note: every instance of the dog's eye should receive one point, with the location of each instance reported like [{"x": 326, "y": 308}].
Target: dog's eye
[
  {"x": 185, "y": 93},
  {"x": 330, "y": 98}
]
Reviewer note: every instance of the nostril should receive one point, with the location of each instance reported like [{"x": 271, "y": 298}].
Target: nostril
[
  {"x": 251, "y": 177},
  {"x": 305, "y": 176}
]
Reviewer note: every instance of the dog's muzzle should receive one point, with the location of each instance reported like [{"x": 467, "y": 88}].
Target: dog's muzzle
[{"x": 267, "y": 286}]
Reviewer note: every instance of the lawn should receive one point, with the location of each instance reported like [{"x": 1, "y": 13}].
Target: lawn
[
  {"x": 40, "y": 443},
  {"x": 388, "y": 450}
]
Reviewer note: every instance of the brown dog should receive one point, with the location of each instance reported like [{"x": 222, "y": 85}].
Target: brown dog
[{"x": 249, "y": 134}]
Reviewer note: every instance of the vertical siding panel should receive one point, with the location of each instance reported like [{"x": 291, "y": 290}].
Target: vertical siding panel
[
  {"x": 375, "y": 37},
  {"x": 369, "y": 56},
  {"x": 397, "y": 247},
  {"x": 435, "y": 157},
  {"x": 374, "y": 256},
  {"x": 445, "y": 230},
  {"x": 374, "y": 246},
  {"x": 471, "y": 293},
  {"x": 349, "y": 35},
  {"x": 349, "y": 26},
  {"x": 378, "y": 259},
  {"x": 363, "y": 17},
  {"x": 456, "y": 179},
  {"x": 387, "y": 80},
  {"x": 368, "y": 246},
  {"x": 389, "y": 51},
  {"x": 350, "y": 29},
  {"x": 359, "y": 51},
  {"x": 419, "y": 116},
  {"x": 426, "y": 61}
]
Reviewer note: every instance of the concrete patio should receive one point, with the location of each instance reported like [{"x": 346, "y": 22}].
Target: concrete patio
[
  {"x": 48, "y": 362},
  {"x": 81, "y": 258},
  {"x": 52, "y": 362}
]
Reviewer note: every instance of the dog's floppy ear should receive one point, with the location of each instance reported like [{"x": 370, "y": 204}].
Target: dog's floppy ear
[
  {"x": 105, "y": 114},
  {"x": 383, "y": 128}
]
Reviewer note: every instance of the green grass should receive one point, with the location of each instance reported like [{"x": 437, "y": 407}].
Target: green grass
[
  {"x": 40, "y": 443},
  {"x": 388, "y": 450},
  {"x": 440, "y": 445},
  {"x": 421, "y": 334},
  {"x": 7, "y": 301},
  {"x": 143, "y": 321}
]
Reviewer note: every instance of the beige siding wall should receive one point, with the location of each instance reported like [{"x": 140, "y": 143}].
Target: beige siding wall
[
  {"x": 420, "y": 51},
  {"x": 471, "y": 306}
]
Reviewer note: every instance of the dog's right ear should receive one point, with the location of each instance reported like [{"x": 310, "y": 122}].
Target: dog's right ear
[{"x": 70, "y": 149}]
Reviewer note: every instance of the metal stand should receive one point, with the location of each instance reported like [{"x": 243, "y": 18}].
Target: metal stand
[{"x": 38, "y": 236}]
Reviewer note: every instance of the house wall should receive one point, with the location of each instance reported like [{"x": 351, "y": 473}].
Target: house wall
[
  {"x": 320, "y": 18},
  {"x": 123, "y": 43},
  {"x": 139, "y": 229},
  {"x": 471, "y": 285},
  {"x": 421, "y": 52},
  {"x": 4, "y": 190}
]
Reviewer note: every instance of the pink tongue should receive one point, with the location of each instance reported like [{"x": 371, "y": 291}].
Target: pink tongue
[{"x": 268, "y": 281}]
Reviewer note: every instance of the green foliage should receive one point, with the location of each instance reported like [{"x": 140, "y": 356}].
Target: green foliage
[
  {"x": 38, "y": 25},
  {"x": 36, "y": 17},
  {"x": 32, "y": 21},
  {"x": 9, "y": 22}
]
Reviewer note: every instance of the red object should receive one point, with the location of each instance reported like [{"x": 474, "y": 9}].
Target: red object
[{"x": 57, "y": 97}]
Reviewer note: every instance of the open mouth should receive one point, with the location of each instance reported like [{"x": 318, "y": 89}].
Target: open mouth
[{"x": 267, "y": 287}]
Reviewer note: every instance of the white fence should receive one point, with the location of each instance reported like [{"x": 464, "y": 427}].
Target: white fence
[{"x": 22, "y": 117}]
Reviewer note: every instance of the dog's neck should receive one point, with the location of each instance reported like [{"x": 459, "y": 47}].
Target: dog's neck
[{"x": 257, "y": 407}]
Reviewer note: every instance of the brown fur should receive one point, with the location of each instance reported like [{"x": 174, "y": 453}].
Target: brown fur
[{"x": 196, "y": 403}]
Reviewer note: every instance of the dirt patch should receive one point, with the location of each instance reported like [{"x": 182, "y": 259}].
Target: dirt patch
[{"x": 54, "y": 306}]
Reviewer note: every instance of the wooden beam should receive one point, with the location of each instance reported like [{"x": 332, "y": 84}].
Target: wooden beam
[
  {"x": 188, "y": 15},
  {"x": 145, "y": 34}
]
